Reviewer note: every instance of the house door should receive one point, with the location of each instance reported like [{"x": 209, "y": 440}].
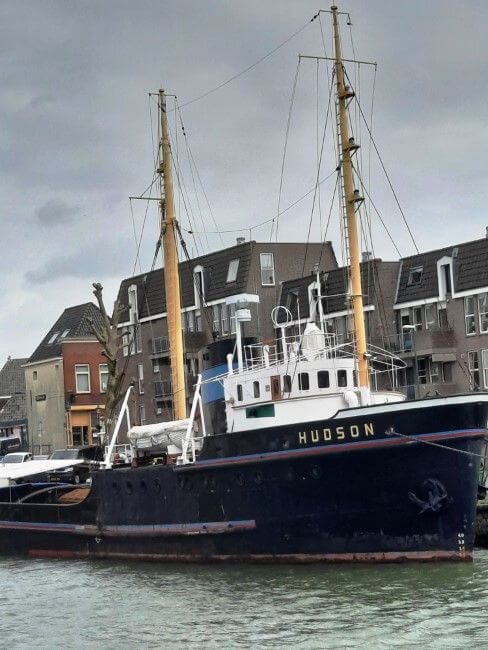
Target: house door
[{"x": 275, "y": 388}]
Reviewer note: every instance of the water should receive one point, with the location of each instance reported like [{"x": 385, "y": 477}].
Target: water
[{"x": 78, "y": 604}]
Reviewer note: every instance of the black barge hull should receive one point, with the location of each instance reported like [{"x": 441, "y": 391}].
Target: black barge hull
[{"x": 329, "y": 491}]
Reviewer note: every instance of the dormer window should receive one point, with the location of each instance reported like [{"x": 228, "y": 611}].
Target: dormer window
[
  {"x": 64, "y": 334},
  {"x": 232, "y": 271},
  {"x": 292, "y": 303},
  {"x": 267, "y": 269},
  {"x": 415, "y": 275},
  {"x": 132, "y": 295},
  {"x": 199, "y": 286},
  {"x": 53, "y": 338}
]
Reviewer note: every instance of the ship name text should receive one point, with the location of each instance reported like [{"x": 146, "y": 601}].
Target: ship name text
[{"x": 336, "y": 434}]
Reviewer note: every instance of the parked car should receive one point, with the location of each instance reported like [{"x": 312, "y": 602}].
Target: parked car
[
  {"x": 91, "y": 455},
  {"x": 16, "y": 457}
]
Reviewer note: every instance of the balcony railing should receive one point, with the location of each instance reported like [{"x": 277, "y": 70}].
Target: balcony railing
[{"x": 424, "y": 341}]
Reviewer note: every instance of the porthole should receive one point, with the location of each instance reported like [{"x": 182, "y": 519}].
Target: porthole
[
  {"x": 258, "y": 478},
  {"x": 285, "y": 444}
]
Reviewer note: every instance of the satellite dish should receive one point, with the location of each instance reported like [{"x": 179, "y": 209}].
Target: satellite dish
[{"x": 275, "y": 313}]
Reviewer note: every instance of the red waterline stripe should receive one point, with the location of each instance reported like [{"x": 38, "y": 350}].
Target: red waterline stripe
[
  {"x": 328, "y": 449},
  {"x": 290, "y": 558}
]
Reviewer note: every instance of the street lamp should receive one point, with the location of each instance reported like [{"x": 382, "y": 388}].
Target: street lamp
[{"x": 412, "y": 328}]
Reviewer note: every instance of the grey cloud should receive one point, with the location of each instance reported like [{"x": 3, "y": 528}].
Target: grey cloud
[{"x": 56, "y": 211}]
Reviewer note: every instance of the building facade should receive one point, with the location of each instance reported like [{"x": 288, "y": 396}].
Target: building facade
[
  {"x": 207, "y": 284},
  {"x": 66, "y": 378},
  {"x": 13, "y": 411}
]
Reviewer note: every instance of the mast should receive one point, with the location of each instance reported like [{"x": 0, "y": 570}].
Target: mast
[
  {"x": 171, "y": 270},
  {"x": 351, "y": 198}
]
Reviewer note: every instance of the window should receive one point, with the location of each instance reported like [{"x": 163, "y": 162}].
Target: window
[
  {"x": 103, "y": 374},
  {"x": 140, "y": 378},
  {"x": 303, "y": 381},
  {"x": 342, "y": 378},
  {"x": 484, "y": 361},
  {"x": 159, "y": 345},
  {"x": 162, "y": 388},
  {"x": 216, "y": 318},
  {"x": 155, "y": 366},
  {"x": 53, "y": 338},
  {"x": 232, "y": 319},
  {"x": 224, "y": 320},
  {"x": 415, "y": 275},
  {"x": 323, "y": 380},
  {"x": 264, "y": 411},
  {"x": 469, "y": 315},
  {"x": 442, "y": 313},
  {"x": 422, "y": 371},
  {"x": 267, "y": 269},
  {"x": 65, "y": 334},
  {"x": 255, "y": 388},
  {"x": 417, "y": 317},
  {"x": 474, "y": 369},
  {"x": 82, "y": 376},
  {"x": 138, "y": 338},
  {"x": 287, "y": 384},
  {"x": 199, "y": 286},
  {"x": 292, "y": 303},
  {"x": 232, "y": 270},
  {"x": 483, "y": 312},
  {"x": 239, "y": 392},
  {"x": 435, "y": 372},
  {"x": 431, "y": 315},
  {"x": 34, "y": 375},
  {"x": 125, "y": 342},
  {"x": 190, "y": 321},
  {"x": 142, "y": 414},
  {"x": 198, "y": 321}
]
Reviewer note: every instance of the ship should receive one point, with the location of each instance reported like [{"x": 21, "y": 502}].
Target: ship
[{"x": 293, "y": 458}]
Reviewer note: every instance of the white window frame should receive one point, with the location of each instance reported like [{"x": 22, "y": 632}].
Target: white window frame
[
  {"x": 484, "y": 297},
  {"x": 216, "y": 318},
  {"x": 199, "y": 296},
  {"x": 431, "y": 309},
  {"x": 53, "y": 338},
  {"x": 103, "y": 372},
  {"x": 232, "y": 270},
  {"x": 262, "y": 267},
  {"x": 469, "y": 315},
  {"x": 125, "y": 342},
  {"x": 474, "y": 354},
  {"x": 484, "y": 363},
  {"x": 140, "y": 378},
  {"x": 142, "y": 414},
  {"x": 414, "y": 269},
  {"x": 78, "y": 373}
]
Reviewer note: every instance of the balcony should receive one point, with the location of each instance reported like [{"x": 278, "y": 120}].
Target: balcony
[
  {"x": 428, "y": 390},
  {"x": 441, "y": 341}
]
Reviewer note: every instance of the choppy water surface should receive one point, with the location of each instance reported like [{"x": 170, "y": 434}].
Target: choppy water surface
[{"x": 58, "y": 604}]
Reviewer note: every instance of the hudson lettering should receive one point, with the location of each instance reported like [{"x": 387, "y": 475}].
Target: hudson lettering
[{"x": 337, "y": 434}]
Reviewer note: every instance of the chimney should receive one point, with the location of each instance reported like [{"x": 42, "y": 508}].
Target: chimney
[
  {"x": 240, "y": 240},
  {"x": 367, "y": 255}
]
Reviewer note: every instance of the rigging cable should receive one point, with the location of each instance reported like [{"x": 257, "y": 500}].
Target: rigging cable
[
  {"x": 385, "y": 171},
  {"x": 287, "y": 133},
  {"x": 250, "y": 67}
]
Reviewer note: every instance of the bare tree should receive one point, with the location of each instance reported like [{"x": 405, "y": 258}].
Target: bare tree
[{"x": 108, "y": 337}]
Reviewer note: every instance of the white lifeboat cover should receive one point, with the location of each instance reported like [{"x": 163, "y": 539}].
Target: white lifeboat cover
[
  {"x": 159, "y": 435},
  {"x": 313, "y": 341}
]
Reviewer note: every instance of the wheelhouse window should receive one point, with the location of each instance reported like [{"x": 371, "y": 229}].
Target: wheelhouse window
[
  {"x": 474, "y": 369},
  {"x": 342, "y": 378},
  {"x": 287, "y": 383},
  {"x": 469, "y": 317},
  {"x": 103, "y": 373},
  {"x": 267, "y": 269},
  {"x": 239, "y": 392},
  {"x": 232, "y": 270},
  {"x": 82, "y": 376},
  {"x": 483, "y": 312},
  {"x": 255, "y": 387},
  {"x": 415, "y": 275},
  {"x": 303, "y": 381},
  {"x": 323, "y": 380}
]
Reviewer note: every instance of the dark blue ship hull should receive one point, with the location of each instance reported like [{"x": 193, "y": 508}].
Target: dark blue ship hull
[{"x": 333, "y": 490}]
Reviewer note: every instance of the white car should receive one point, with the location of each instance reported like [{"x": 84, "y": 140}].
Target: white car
[{"x": 17, "y": 457}]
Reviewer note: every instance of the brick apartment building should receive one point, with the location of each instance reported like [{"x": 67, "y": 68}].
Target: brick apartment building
[
  {"x": 206, "y": 282},
  {"x": 66, "y": 379}
]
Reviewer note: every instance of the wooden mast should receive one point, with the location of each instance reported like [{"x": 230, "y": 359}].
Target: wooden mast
[
  {"x": 351, "y": 199},
  {"x": 171, "y": 270}
]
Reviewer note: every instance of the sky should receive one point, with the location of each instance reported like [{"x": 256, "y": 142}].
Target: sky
[{"x": 77, "y": 129}]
